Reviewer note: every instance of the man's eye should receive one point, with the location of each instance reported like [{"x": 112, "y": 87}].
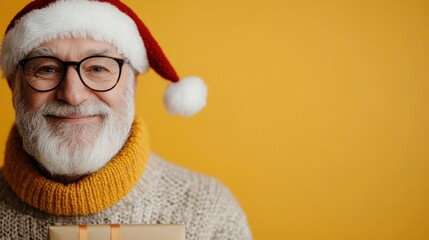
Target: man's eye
[
  {"x": 46, "y": 70},
  {"x": 98, "y": 69}
]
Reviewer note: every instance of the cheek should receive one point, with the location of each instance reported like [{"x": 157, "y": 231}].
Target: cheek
[
  {"x": 33, "y": 100},
  {"x": 113, "y": 98}
]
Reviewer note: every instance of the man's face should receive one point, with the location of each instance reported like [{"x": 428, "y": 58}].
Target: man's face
[
  {"x": 71, "y": 90},
  {"x": 73, "y": 130}
]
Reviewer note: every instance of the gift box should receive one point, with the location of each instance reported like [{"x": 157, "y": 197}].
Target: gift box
[{"x": 117, "y": 232}]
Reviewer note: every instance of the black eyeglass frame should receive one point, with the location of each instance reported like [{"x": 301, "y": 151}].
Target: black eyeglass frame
[{"x": 120, "y": 62}]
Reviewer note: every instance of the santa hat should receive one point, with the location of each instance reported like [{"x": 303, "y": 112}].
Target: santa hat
[{"x": 102, "y": 20}]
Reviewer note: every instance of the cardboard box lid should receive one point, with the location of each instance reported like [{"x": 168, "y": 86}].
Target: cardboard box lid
[{"x": 127, "y": 232}]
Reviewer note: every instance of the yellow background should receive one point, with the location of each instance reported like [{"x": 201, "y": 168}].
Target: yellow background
[{"x": 318, "y": 111}]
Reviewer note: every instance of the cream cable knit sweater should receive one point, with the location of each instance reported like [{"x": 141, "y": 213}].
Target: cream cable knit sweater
[{"x": 166, "y": 194}]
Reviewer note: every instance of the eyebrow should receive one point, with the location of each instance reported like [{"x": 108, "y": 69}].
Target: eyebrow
[
  {"x": 94, "y": 52},
  {"x": 40, "y": 52},
  {"x": 48, "y": 52}
]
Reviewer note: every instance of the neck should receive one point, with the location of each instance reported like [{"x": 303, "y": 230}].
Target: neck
[
  {"x": 68, "y": 179},
  {"x": 64, "y": 179}
]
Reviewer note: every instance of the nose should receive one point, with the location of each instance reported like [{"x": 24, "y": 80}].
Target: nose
[{"x": 71, "y": 89}]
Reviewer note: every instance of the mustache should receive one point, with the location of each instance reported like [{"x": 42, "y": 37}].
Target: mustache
[{"x": 62, "y": 109}]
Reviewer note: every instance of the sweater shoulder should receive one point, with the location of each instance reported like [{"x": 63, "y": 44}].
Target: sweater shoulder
[
  {"x": 196, "y": 198},
  {"x": 173, "y": 176}
]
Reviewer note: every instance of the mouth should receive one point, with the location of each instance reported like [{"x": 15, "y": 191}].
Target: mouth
[{"x": 73, "y": 118}]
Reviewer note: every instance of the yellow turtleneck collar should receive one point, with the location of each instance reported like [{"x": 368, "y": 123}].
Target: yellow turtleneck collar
[{"x": 91, "y": 194}]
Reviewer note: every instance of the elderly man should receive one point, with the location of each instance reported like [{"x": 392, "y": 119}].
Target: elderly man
[{"x": 77, "y": 154}]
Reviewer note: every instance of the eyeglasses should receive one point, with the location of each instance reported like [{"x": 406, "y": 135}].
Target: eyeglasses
[{"x": 98, "y": 73}]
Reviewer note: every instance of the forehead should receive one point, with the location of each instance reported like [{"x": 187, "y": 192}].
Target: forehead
[{"x": 72, "y": 48}]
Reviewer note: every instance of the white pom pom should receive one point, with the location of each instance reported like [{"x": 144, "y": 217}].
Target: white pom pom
[{"x": 186, "y": 97}]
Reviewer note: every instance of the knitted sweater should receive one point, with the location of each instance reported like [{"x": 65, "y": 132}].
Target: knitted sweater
[{"x": 164, "y": 194}]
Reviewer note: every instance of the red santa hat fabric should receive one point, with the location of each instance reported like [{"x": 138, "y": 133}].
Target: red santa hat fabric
[{"x": 103, "y": 20}]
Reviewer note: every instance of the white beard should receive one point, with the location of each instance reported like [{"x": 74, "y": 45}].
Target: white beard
[{"x": 70, "y": 149}]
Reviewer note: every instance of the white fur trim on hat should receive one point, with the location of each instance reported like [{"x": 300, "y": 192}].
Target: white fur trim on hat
[
  {"x": 186, "y": 97},
  {"x": 74, "y": 19}
]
